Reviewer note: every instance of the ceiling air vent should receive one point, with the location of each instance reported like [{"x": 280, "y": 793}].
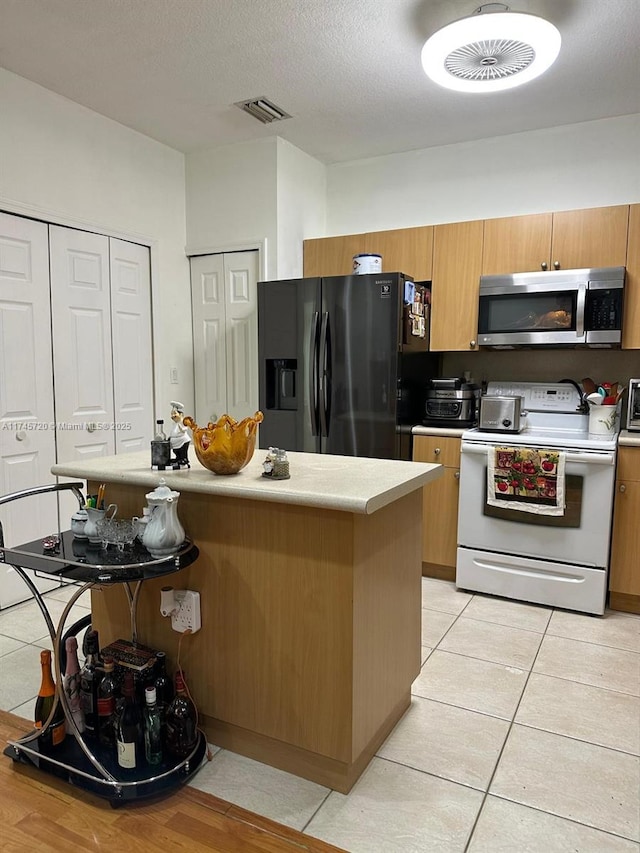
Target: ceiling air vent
[{"x": 263, "y": 109}]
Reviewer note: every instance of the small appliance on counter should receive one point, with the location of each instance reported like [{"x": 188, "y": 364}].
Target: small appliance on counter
[
  {"x": 451, "y": 403},
  {"x": 633, "y": 412},
  {"x": 501, "y": 414}
]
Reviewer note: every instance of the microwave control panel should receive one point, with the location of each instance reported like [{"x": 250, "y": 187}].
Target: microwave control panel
[{"x": 539, "y": 396}]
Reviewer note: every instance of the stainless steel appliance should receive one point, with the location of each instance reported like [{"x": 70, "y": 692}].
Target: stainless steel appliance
[
  {"x": 555, "y": 308},
  {"x": 557, "y": 560},
  {"x": 451, "y": 402},
  {"x": 343, "y": 363},
  {"x": 633, "y": 410},
  {"x": 501, "y": 414}
]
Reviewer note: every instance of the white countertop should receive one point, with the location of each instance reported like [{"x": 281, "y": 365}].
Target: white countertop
[
  {"x": 344, "y": 483},
  {"x": 629, "y": 439}
]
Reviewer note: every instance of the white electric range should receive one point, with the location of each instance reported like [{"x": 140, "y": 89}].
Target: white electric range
[{"x": 557, "y": 560}]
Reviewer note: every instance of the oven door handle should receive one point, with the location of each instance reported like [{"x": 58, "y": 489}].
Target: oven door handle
[{"x": 589, "y": 458}]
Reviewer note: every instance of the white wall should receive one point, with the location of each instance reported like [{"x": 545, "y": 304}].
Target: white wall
[
  {"x": 61, "y": 162},
  {"x": 231, "y": 199},
  {"x": 301, "y": 205},
  {"x": 582, "y": 165}
]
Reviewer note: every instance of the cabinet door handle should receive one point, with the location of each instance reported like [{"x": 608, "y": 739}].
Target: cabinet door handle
[
  {"x": 472, "y": 344},
  {"x": 544, "y": 265},
  {"x": 436, "y": 451},
  {"x": 556, "y": 265},
  {"x": 457, "y": 475},
  {"x": 623, "y": 488}
]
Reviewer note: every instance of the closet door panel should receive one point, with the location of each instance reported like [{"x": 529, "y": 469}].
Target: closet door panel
[
  {"x": 241, "y": 275},
  {"x": 81, "y": 320},
  {"x": 209, "y": 351},
  {"x": 27, "y": 431},
  {"x": 131, "y": 340}
]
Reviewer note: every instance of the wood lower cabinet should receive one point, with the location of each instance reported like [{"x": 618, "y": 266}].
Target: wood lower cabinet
[
  {"x": 439, "y": 505},
  {"x": 569, "y": 239},
  {"x": 624, "y": 572},
  {"x": 631, "y": 326}
]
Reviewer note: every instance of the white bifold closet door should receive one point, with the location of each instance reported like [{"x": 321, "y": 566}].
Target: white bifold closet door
[
  {"x": 27, "y": 432},
  {"x": 225, "y": 334}
]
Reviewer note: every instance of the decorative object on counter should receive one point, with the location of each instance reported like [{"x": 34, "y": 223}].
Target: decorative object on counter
[
  {"x": 603, "y": 420},
  {"x": 163, "y": 534},
  {"x": 226, "y": 446},
  {"x": 276, "y": 464},
  {"x": 51, "y": 543},
  {"x": 78, "y": 521},
  {"x": 93, "y": 517},
  {"x": 365, "y": 264},
  {"x": 179, "y": 438},
  {"x": 160, "y": 448}
]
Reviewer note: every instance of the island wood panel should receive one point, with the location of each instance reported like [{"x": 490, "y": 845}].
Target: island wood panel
[
  {"x": 290, "y": 598},
  {"x": 457, "y": 264},
  {"x": 594, "y": 237},
  {"x": 332, "y": 255},
  {"x": 631, "y": 326},
  {"x": 407, "y": 250},
  {"x": 516, "y": 244}
]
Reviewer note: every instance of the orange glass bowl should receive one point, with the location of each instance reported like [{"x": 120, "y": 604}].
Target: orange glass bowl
[{"x": 226, "y": 446}]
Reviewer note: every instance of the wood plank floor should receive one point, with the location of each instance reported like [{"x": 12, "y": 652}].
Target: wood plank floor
[{"x": 39, "y": 812}]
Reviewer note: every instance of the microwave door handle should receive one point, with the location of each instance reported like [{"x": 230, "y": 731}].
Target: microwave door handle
[{"x": 580, "y": 310}]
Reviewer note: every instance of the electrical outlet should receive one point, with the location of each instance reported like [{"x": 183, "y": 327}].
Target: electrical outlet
[
  {"x": 173, "y": 375},
  {"x": 187, "y": 616}
]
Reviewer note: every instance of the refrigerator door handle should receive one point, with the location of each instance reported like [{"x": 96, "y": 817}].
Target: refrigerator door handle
[
  {"x": 325, "y": 375},
  {"x": 313, "y": 374}
]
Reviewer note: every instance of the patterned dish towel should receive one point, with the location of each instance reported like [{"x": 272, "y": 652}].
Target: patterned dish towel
[{"x": 526, "y": 479}]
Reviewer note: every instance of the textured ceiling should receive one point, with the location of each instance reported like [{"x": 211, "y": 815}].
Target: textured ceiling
[{"x": 348, "y": 71}]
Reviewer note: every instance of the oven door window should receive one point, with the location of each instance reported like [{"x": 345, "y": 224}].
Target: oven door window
[
  {"x": 552, "y": 311},
  {"x": 574, "y": 487}
]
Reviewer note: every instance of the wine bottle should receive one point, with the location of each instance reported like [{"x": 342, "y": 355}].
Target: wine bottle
[
  {"x": 107, "y": 693},
  {"x": 181, "y": 722},
  {"x": 129, "y": 728},
  {"x": 163, "y": 685},
  {"x": 71, "y": 684},
  {"x": 56, "y": 732},
  {"x": 89, "y": 680},
  {"x": 152, "y": 728}
]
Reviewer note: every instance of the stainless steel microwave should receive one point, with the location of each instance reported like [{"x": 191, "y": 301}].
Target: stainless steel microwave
[{"x": 555, "y": 308}]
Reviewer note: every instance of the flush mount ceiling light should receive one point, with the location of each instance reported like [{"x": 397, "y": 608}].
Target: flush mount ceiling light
[{"x": 492, "y": 49}]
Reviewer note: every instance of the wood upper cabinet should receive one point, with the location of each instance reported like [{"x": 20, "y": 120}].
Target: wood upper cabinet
[
  {"x": 407, "y": 250},
  {"x": 516, "y": 244},
  {"x": 332, "y": 255},
  {"x": 624, "y": 573},
  {"x": 570, "y": 239},
  {"x": 457, "y": 266},
  {"x": 439, "y": 505},
  {"x": 631, "y": 324}
]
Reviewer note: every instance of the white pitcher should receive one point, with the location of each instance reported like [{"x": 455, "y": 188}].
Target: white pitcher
[{"x": 163, "y": 534}]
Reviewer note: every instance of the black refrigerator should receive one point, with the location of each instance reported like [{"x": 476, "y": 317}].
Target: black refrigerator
[{"x": 344, "y": 363}]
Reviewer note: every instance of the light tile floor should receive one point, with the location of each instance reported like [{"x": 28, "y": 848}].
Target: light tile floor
[{"x": 523, "y": 735}]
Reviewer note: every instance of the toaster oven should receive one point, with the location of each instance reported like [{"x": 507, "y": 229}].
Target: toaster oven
[{"x": 633, "y": 412}]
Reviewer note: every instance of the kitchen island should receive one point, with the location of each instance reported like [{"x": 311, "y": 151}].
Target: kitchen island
[{"x": 310, "y": 593}]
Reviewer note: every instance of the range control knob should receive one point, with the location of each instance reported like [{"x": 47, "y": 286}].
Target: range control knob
[{"x": 506, "y": 423}]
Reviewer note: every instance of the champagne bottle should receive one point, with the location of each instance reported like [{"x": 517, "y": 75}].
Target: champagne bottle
[
  {"x": 181, "y": 722},
  {"x": 56, "y": 732},
  {"x": 107, "y": 692},
  {"x": 152, "y": 728},
  {"x": 129, "y": 728},
  {"x": 89, "y": 680},
  {"x": 71, "y": 683}
]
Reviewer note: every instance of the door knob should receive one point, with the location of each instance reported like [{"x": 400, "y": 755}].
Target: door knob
[
  {"x": 20, "y": 436},
  {"x": 92, "y": 427},
  {"x": 544, "y": 265}
]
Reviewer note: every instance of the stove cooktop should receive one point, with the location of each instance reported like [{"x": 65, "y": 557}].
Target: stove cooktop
[{"x": 531, "y": 436}]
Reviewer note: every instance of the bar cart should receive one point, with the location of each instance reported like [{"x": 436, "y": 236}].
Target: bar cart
[{"x": 82, "y": 761}]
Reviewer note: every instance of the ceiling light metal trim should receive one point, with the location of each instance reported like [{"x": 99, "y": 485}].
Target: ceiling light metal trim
[
  {"x": 491, "y": 50},
  {"x": 263, "y": 109}
]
